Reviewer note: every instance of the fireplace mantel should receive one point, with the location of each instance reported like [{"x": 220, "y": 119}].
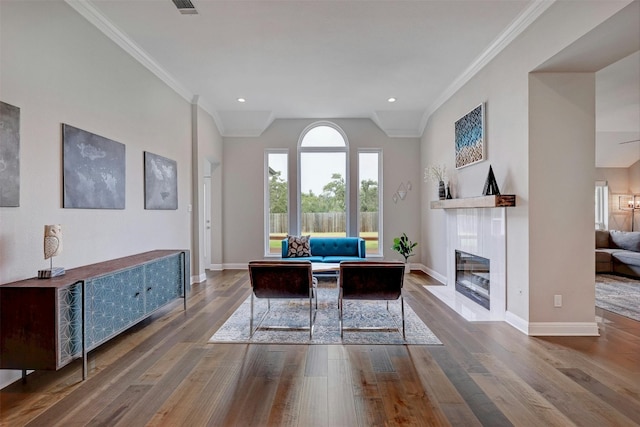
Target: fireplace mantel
[{"x": 499, "y": 201}]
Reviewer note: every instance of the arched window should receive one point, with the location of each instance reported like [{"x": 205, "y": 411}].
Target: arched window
[{"x": 323, "y": 180}]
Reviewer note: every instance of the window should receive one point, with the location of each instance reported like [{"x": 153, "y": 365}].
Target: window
[
  {"x": 369, "y": 200},
  {"x": 324, "y": 181},
  {"x": 276, "y": 200},
  {"x": 602, "y": 205}
]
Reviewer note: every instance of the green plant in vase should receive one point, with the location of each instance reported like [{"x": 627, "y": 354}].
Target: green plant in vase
[{"x": 404, "y": 247}]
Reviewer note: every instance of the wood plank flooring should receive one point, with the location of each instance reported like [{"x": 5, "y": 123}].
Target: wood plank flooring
[{"x": 164, "y": 373}]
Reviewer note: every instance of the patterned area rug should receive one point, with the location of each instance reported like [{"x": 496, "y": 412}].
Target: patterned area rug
[
  {"x": 295, "y": 313},
  {"x": 618, "y": 294}
]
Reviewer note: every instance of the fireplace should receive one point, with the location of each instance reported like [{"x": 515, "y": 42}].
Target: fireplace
[{"x": 472, "y": 277}]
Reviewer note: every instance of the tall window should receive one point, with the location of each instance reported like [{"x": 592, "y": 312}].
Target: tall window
[
  {"x": 276, "y": 200},
  {"x": 324, "y": 181},
  {"x": 369, "y": 200},
  {"x": 602, "y": 205}
]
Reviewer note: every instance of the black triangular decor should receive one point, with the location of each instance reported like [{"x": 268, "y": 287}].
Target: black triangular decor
[{"x": 490, "y": 185}]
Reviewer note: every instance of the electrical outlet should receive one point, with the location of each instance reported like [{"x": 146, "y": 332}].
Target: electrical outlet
[{"x": 557, "y": 300}]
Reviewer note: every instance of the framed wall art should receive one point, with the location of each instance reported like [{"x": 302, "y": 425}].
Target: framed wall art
[
  {"x": 470, "y": 138},
  {"x": 94, "y": 170},
  {"x": 9, "y": 155},
  {"x": 160, "y": 182}
]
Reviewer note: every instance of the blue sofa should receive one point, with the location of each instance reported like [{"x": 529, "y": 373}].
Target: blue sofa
[{"x": 331, "y": 249}]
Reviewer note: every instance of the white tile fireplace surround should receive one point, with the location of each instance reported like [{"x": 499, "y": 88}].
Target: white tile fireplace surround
[{"x": 481, "y": 232}]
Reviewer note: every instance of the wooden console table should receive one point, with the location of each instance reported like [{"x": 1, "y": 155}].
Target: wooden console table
[{"x": 47, "y": 323}]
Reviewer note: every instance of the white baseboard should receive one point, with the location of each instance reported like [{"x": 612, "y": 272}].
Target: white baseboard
[
  {"x": 236, "y": 266},
  {"x": 517, "y": 322},
  {"x": 215, "y": 267},
  {"x": 439, "y": 277},
  {"x": 198, "y": 279},
  {"x": 8, "y": 377},
  {"x": 564, "y": 329}
]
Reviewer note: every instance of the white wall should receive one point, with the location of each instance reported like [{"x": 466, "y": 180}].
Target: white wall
[
  {"x": 58, "y": 68},
  {"x": 243, "y": 183},
  {"x": 562, "y": 159},
  {"x": 504, "y": 85},
  {"x": 617, "y": 179},
  {"x": 634, "y": 177}
]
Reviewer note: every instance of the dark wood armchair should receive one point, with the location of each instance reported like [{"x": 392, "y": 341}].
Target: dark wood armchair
[
  {"x": 367, "y": 280},
  {"x": 282, "y": 280}
]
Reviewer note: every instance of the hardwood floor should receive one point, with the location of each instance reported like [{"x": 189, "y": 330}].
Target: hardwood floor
[{"x": 164, "y": 373}]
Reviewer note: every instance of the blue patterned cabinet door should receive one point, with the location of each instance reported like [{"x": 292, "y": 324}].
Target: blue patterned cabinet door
[
  {"x": 113, "y": 303},
  {"x": 163, "y": 281},
  {"x": 69, "y": 323}
]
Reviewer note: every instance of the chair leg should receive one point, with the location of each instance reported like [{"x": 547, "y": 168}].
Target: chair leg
[
  {"x": 315, "y": 290},
  {"x": 251, "y": 317},
  {"x": 340, "y": 302},
  {"x": 402, "y": 309},
  {"x": 311, "y": 312}
]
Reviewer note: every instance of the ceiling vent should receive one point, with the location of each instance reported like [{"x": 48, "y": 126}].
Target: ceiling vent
[{"x": 185, "y": 7}]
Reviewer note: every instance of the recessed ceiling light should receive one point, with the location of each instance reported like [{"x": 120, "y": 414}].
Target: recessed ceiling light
[
  {"x": 242, "y": 100},
  {"x": 392, "y": 99}
]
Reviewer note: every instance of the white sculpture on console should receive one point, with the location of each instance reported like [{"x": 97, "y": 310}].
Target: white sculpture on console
[{"x": 52, "y": 247}]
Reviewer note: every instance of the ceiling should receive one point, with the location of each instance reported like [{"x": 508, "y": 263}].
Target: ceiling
[
  {"x": 618, "y": 113},
  {"x": 314, "y": 59},
  {"x": 323, "y": 59}
]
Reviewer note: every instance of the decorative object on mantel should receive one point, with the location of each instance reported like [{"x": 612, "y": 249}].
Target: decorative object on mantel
[
  {"x": 495, "y": 201},
  {"x": 9, "y": 155},
  {"x": 490, "y": 185},
  {"x": 404, "y": 247},
  {"x": 437, "y": 173},
  {"x": 469, "y": 138},
  {"x": 52, "y": 247},
  {"x": 448, "y": 193}
]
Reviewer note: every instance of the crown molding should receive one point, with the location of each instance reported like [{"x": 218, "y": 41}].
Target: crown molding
[
  {"x": 521, "y": 23},
  {"x": 95, "y": 17},
  {"x": 394, "y": 133},
  {"x": 86, "y": 9}
]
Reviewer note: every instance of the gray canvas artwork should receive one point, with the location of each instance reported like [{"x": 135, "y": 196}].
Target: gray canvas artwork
[
  {"x": 94, "y": 170},
  {"x": 9, "y": 155},
  {"x": 160, "y": 182}
]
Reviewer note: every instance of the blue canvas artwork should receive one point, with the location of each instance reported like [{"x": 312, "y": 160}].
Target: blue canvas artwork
[
  {"x": 160, "y": 182},
  {"x": 94, "y": 170},
  {"x": 470, "y": 140}
]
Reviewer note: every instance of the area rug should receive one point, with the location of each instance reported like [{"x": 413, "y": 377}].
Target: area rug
[
  {"x": 618, "y": 294},
  {"x": 295, "y": 313}
]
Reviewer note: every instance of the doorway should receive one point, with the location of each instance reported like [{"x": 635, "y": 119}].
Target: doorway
[{"x": 206, "y": 227}]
